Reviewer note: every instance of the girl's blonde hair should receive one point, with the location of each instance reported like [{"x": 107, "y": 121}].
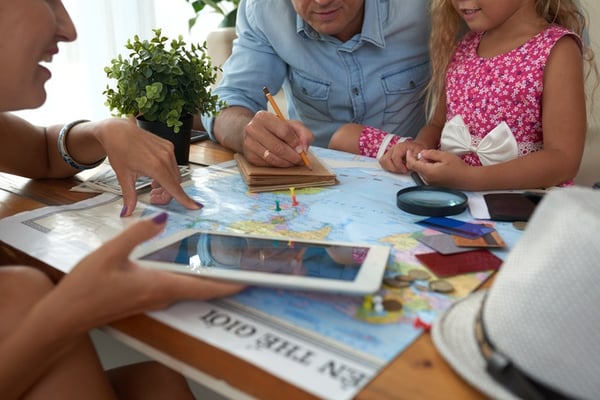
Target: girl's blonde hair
[{"x": 448, "y": 28}]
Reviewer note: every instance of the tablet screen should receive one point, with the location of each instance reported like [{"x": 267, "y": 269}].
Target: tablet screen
[{"x": 202, "y": 250}]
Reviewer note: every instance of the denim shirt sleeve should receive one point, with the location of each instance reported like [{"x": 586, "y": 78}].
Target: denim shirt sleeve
[
  {"x": 375, "y": 78},
  {"x": 253, "y": 64}
]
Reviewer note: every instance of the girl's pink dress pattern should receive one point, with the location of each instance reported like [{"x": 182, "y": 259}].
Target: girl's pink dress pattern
[
  {"x": 508, "y": 87},
  {"x": 487, "y": 91}
]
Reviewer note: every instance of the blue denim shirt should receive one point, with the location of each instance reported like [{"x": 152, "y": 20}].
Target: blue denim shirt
[{"x": 376, "y": 78}]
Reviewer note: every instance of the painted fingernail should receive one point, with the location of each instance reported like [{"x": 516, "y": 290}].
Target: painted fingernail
[
  {"x": 200, "y": 205},
  {"x": 123, "y": 211},
  {"x": 160, "y": 218}
]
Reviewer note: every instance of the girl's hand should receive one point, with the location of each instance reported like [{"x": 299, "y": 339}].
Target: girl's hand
[
  {"x": 394, "y": 160},
  {"x": 438, "y": 168}
]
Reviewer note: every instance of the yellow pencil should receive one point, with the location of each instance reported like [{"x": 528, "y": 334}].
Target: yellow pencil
[{"x": 280, "y": 115}]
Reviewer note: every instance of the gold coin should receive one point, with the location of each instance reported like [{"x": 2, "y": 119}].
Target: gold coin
[
  {"x": 393, "y": 282},
  {"x": 520, "y": 225},
  {"x": 392, "y": 305},
  {"x": 441, "y": 286},
  {"x": 404, "y": 278},
  {"x": 419, "y": 274}
]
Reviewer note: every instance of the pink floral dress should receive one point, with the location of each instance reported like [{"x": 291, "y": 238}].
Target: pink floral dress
[
  {"x": 488, "y": 91},
  {"x": 506, "y": 88}
]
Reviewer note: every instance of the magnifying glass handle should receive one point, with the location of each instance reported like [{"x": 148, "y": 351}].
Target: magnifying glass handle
[{"x": 417, "y": 178}]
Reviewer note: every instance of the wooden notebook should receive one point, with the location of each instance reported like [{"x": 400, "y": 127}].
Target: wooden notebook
[{"x": 267, "y": 179}]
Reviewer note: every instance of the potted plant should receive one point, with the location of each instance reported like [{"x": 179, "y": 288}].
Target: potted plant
[
  {"x": 163, "y": 87},
  {"x": 228, "y": 16}
]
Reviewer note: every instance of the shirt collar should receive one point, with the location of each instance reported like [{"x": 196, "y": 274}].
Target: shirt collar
[{"x": 372, "y": 29}]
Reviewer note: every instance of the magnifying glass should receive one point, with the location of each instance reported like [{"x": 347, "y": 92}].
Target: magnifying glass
[{"x": 431, "y": 201}]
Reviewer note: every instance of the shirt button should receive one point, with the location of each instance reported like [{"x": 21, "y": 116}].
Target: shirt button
[{"x": 355, "y": 91}]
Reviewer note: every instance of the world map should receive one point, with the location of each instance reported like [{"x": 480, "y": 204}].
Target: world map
[
  {"x": 361, "y": 208},
  {"x": 328, "y": 344}
]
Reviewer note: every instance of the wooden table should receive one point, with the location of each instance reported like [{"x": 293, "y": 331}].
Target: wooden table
[{"x": 417, "y": 373}]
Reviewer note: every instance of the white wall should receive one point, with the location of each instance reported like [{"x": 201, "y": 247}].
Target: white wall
[
  {"x": 75, "y": 90},
  {"x": 590, "y": 166}
]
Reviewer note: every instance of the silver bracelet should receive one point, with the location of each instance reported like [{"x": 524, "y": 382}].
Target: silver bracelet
[{"x": 64, "y": 153}]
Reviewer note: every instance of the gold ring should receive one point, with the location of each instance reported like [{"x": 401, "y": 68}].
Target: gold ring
[{"x": 266, "y": 154}]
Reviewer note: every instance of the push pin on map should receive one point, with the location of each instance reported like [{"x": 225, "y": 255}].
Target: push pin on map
[
  {"x": 419, "y": 323},
  {"x": 378, "y": 305},
  {"x": 368, "y": 302},
  {"x": 277, "y": 208},
  {"x": 293, "y": 194}
]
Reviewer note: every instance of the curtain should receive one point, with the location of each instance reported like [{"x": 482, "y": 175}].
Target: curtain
[{"x": 103, "y": 27}]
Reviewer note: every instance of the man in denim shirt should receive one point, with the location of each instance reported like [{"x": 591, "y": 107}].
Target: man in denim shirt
[{"x": 339, "y": 61}]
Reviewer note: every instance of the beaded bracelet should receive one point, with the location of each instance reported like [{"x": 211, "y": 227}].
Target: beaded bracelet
[{"x": 64, "y": 153}]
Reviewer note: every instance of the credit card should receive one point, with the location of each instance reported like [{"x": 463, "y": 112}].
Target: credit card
[
  {"x": 443, "y": 243},
  {"x": 444, "y": 266},
  {"x": 456, "y": 227}
]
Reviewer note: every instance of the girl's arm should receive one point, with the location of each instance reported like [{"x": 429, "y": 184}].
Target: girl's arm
[{"x": 395, "y": 159}]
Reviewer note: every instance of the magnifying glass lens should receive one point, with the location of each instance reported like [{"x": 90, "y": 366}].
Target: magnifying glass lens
[{"x": 431, "y": 201}]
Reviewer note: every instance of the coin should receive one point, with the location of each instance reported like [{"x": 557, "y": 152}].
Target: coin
[
  {"x": 405, "y": 278},
  {"x": 520, "y": 225},
  {"x": 419, "y": 274},
  {"x": 392, "y": 305},
  {"x": 393, "y": 282},
  {"x": 441, "y": 286}
]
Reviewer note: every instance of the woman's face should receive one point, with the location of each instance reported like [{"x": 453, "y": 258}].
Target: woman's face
[{"x": 29, "y": 33}]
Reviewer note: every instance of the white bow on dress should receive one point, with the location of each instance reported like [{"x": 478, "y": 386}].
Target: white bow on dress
[{"x": 499, "y": 145}]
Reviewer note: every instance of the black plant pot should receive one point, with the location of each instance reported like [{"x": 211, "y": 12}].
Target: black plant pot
[{"x": 181, "y": 139}]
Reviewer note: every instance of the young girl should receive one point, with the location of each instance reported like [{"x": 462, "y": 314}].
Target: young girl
[{"x": 510, "y": 111}]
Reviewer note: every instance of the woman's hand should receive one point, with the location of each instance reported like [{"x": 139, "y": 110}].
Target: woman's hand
[
  {"x": 134, "y": 152},
  {"x": 106, "y": 285}
]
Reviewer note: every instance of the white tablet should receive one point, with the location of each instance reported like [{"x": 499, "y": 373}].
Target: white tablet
[{"x": 257, "y": 260}]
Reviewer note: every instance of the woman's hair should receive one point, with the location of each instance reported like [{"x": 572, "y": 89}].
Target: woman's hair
[{"x": 448, "y": 28}]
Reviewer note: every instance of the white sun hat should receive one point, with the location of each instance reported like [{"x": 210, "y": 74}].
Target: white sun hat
[{"x": 539, "y": 324}]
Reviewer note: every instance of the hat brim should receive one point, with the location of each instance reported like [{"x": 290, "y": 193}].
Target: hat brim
[{"x": 454, "y": 336}]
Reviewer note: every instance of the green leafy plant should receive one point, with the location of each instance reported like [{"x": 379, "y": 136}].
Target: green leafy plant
[
  {"x": 162, "y": 83},
  {"x": 216, "y": 5}
]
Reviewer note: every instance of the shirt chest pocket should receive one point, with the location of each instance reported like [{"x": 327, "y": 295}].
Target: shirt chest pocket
[
  {"x": 311, "y": 95},
  {"x": 407, "y": 80},
  {"x": 404, "y": 90}
]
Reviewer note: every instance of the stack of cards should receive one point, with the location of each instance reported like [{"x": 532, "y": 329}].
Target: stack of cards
[
  {"x": 460, "y": 247},
  {"x": 105, "y": 180}
]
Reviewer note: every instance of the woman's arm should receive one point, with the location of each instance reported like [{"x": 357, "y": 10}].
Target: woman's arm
[
  {"x": 32, "y": 151},
  {"x": 104, "y": 287}
]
